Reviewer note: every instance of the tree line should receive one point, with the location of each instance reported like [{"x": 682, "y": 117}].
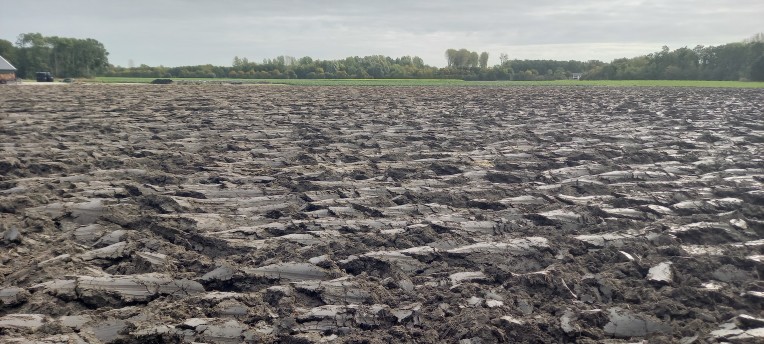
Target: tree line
[
  {"x": 64, "y": 57},
  {"x": 733, "y": 61},
  {"x": 289, "y": 67},
  {"x": 367, "y": 67},
  {"x": 70, "y": 57}
]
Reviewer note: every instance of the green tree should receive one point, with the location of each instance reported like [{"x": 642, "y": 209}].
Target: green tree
[
  {"x": 484, "y": 60},
  {"x": 757, "y": 69},
  {"x": 503, "y": 58},
  {"x": 462, "y": 58},
  {"x": 451, "y": 57},
  {"x": 33, "y": 53},
  {"x": 65, "y": 57},
  {"x": 474, "y": 59},
  {"x": 306, "y": 60},
  {"x": 8, "y": 51},
  {"x": 418, "y": 62}
]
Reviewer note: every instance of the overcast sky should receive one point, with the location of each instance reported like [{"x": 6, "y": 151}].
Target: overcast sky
[{"x": 191, "y": 32}]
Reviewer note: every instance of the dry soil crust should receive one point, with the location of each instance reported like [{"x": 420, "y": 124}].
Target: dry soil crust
[{"x": 131, "y": 214}]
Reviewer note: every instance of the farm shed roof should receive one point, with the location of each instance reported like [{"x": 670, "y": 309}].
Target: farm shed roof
[{"x": 5, "y": 65}]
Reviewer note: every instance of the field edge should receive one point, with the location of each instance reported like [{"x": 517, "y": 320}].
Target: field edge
[{"x": 444, "y": 82}]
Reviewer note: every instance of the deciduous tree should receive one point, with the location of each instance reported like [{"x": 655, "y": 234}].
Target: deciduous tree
[
  {"x": 503, "y": 58},
  {"x": 65, "y": 57},
  {"x": 757, "y": 69},
  {"x": 484, "y": 60}
]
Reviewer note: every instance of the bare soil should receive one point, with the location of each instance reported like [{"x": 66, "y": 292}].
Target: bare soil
[{"x": 231, "y": 213}]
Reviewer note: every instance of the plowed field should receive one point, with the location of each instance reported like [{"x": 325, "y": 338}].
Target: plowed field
[{"x": 236, "y": 213}]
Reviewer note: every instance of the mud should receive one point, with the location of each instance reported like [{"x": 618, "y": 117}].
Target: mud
[{"x": 234, "y": 213}]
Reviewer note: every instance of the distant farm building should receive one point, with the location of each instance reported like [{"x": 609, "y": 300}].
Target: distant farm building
[
  {"x": 576, "y": 76},
  {"x": 7, "y": 71}
]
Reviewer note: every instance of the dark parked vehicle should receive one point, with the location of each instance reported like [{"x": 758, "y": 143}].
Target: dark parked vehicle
[{"x": 44, "y": 77}]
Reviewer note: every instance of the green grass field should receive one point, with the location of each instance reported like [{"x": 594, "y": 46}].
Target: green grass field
[{"x": 451, "y": 82}]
